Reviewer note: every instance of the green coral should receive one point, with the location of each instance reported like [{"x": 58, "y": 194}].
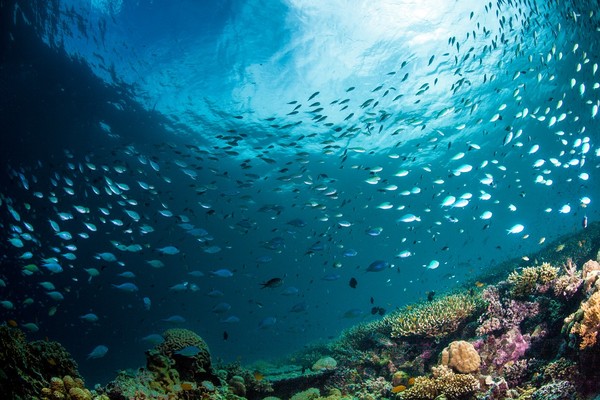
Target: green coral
[
  {"x": 434, "y": 319},
  {"x": 532, "y": 279}
]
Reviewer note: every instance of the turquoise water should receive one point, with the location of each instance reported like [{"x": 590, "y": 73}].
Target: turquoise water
[{"x": 410, "y": 146}]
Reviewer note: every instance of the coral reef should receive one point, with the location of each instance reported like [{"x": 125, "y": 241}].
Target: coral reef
[
  {"x": 444, "y": 382},
  {"x": 586, "y": 321},
  {"x": 29, "y": 367},
  {"x": 434, "y": 319},
  {"x": 503, "y": 314},
  {"x": 68, "y": 388},
  {"x": 463, "y": 346},
  {"x": 532, "y": 280}
]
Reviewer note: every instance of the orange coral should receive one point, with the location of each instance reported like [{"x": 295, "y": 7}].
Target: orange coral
[{"x": 588, "y": 327}]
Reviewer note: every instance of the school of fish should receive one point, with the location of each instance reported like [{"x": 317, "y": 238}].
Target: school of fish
[{"x": 479, "y": 152}]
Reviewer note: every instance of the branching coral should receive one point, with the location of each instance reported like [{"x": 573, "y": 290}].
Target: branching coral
[
  {"x": 444, "y": 382},
  {"x": 567, "y": 284},
  {"x": 532, "y": 280},
  {"x": 434, "y": 319}
]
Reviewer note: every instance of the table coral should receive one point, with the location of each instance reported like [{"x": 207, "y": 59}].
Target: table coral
[{"x": 434, "y": 319}]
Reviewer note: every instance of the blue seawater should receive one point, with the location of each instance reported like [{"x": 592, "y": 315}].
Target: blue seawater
[{"x": 297, "y": 140}]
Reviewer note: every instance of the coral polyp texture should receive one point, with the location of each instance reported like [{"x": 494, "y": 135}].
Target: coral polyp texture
[{"x": 434, "y": 319}]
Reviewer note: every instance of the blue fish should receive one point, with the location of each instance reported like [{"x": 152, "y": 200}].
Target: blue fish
[
  {"x": 54, "y": 295},
  {"x": 108, "y": 257},
  {"x": 378, "y": 266},
  {"x": 147, "y": 303},
  {"x": 350, "y": 253},
  {"x": 232, "y": 319},
  {"x": 178, "y": 319},
  {"x": 98, "y": 352},
  {"x": 222, "y": 273},
  {"x": 64, "y": 235},
  {"x": 188, "y": 351},
  {"x": 90, "y": 317},
  {"x": 126, "y": 287},
  {"x": 290, "y": 291},
  {"x": 180, "y": 287},
  {"x": 169, "y": 250},
  {"x": 299, "y": 307},
  {"x": 52, "y": 267},
  {"x": 154, "y": 339},
  {"x": 267, "y": 323},
  {"x": 221, "y": 308}
]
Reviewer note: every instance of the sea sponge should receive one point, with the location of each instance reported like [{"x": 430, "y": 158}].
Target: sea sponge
[{"x": 461, "y": 356}]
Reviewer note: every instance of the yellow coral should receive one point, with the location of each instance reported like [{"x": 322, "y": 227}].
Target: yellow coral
[
  {"x": 530, "y": 279},
  {"x": 423, "y": 389},
  {"x": 588, "y": 327}
]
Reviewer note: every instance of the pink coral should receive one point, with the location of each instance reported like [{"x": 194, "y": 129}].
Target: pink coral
[{"x": 496, "y": 352}]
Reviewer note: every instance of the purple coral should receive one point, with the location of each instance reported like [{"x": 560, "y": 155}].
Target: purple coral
[
  {"x": 497, "y": 352},
  {"x": 511, "y": 346},
  {"x": 502, "y": 314}
]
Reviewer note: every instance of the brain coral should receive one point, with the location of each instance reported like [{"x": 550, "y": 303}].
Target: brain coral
[
  {"x": 461, "y": 356},
  {"x": 177, "y": 339},
  {"x": 166, "y": 358}
]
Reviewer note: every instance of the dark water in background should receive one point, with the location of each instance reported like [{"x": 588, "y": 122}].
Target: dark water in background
[{"x": 183, "y": 83}]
